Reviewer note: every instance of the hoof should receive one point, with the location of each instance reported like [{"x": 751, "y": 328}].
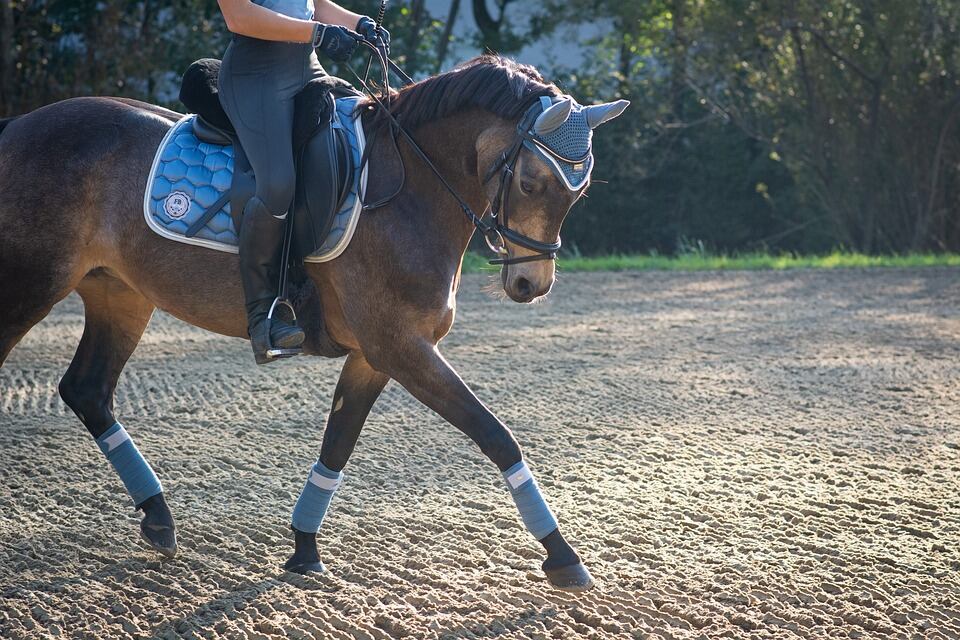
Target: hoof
[
  {"x": 157, "y": 528},
  {"x": 574, "y": 577},
  {"x": 162, "y": 539},
  {"x": 313, "y": 566}
]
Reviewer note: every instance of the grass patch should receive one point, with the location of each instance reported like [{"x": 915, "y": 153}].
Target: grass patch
[{"x": 474, "y": 262}]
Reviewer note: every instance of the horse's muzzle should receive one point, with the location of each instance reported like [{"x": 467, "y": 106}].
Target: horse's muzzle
[{"x": 523, "y": 287}]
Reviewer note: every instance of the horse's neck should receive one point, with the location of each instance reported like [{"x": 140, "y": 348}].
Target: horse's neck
[{"x": 451, "y": 144}]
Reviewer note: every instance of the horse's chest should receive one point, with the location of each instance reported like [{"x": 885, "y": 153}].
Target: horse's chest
[{"x": 445, "y": 321}]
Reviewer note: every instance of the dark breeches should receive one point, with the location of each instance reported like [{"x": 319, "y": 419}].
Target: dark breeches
[{"x": 258, "y": 83}]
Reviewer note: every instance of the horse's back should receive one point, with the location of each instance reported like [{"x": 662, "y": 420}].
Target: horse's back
[{"x": 64, "y": 164}]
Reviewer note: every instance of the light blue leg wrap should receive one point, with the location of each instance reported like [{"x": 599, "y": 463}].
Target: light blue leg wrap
[
  {"x": 315, "y": 498},
  {"x": 534, "y": 511},
  {"x": 137, "y": 476}
]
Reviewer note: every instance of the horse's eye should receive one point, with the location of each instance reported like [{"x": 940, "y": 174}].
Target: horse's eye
[{"x": 526, "y": 187}]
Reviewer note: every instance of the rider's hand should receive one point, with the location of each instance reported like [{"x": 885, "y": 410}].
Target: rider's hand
[
  {"x": 336, "y": 42},
  {"x": 379, "y": 37}
]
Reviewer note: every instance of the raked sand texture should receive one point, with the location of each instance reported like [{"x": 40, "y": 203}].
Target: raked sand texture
[{"x": 763, "y": 455}]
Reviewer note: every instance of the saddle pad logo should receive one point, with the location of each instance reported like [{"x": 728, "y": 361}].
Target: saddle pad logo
[{"x": 176, "y": 205}]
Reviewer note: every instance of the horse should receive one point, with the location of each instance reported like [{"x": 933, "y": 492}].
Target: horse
[{"x": 72, "y": 177}]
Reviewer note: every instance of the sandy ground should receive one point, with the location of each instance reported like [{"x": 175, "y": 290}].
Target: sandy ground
[{"x": 735, "y": 455}]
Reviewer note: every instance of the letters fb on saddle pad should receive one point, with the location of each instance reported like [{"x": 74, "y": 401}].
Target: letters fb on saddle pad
[{"x": 188, "y": 176}]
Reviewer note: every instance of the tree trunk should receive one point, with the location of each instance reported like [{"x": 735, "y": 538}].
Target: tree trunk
[
  {"x": 444, "y": 42},
  {"x": 624, "y": 65},
  {"x": 678, "y": 61},
  {"x": 7, "y": 55},
  {"x": 416, "y": 26},
  {"x": 145, "y": 36},
  {"x": 490, "y": 28}
]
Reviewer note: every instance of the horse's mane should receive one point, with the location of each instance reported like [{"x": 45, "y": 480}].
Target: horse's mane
[{"x": 499, "y": 85}]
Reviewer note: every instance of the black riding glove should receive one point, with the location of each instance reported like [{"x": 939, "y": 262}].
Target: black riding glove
[
  {"x": 378, "y": 37},
  {"x": 336, "y": 42}
]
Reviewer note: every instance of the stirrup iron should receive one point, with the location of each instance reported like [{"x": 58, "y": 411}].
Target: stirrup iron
[{"x": 276, "y": 352}]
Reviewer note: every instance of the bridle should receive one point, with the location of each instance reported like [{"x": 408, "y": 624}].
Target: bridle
[
  {"x": 499, "y": 212},
  {"x": 497, "y": 231}
]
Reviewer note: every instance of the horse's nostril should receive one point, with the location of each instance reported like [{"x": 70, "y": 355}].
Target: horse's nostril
[{"x": 524, "y": 287}]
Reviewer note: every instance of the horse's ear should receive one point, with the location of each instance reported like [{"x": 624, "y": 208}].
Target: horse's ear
[
  {"x": 599, "y": 113},
  {"x": 553, "y": 117}
]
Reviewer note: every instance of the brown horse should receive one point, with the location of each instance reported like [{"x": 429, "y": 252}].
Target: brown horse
[{"x": 72, "y": 177}]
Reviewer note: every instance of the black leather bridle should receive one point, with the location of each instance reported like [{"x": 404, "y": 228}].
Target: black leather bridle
[
  {"x": 497, "y": 232},
  {"x": 499, "y": 213}
]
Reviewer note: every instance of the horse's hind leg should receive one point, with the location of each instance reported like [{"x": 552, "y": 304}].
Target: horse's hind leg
[
  {"x": 27, "y": 294},
  {"x": 115, "y": 318}
]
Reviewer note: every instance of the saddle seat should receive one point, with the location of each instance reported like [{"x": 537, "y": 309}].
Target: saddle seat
[
  {"x": 323, "y": 157},
  {"x": 207, "y": 132}
]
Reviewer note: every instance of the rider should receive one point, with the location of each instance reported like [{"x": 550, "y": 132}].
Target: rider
[{"x": 269, "y": 60}]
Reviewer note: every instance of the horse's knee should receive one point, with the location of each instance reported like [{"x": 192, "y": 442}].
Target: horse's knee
[{"x": 499, "y": 445}]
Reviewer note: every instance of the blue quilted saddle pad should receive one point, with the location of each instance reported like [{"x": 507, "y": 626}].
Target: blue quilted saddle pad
[{"x": 188, "y": 176}]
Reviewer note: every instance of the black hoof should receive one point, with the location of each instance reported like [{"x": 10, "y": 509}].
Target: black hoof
[
  {"x": 312, "y": 566},
  {"x": 157, "y": 528},
  {"x": 305, "y": 558},
  {"x": 574, "y": 577}
]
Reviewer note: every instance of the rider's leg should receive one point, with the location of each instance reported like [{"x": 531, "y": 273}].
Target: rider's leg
[
  {"x": 258, "y": 83},
  {"x": 261, "y": 237}
]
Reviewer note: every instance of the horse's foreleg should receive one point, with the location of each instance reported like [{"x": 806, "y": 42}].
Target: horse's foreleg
[
  {"x": 115, "y": 318},
  {"x": 358, "y": 388},
  {"x": 430, "y": 378}
]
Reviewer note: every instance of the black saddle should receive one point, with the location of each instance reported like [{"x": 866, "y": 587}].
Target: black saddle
[{"x": 321, "y": 154}]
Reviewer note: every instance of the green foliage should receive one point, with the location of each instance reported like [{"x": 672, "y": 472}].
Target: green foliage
[
  {"x": 134, "y": 48},
  {"x": 780, "y": 126},
  {"x": 700, "y": 261}
]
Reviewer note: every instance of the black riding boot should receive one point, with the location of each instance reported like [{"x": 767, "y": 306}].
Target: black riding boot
[{"x": 261, "y": 239}]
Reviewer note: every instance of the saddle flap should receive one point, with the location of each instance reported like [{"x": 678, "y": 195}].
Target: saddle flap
[{"x": 325, "y": 172}]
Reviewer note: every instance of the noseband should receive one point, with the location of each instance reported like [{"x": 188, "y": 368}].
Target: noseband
[{"x": 497, "y": 232}]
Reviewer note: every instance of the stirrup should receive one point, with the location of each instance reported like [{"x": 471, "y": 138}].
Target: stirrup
[{"x": 276, "y": 352}]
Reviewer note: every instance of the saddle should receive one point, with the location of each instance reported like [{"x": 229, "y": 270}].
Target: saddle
[{"x": 325, "y": 162}]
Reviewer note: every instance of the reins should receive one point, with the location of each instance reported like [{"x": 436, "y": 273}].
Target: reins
[{"x": 497, "y": 232}]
